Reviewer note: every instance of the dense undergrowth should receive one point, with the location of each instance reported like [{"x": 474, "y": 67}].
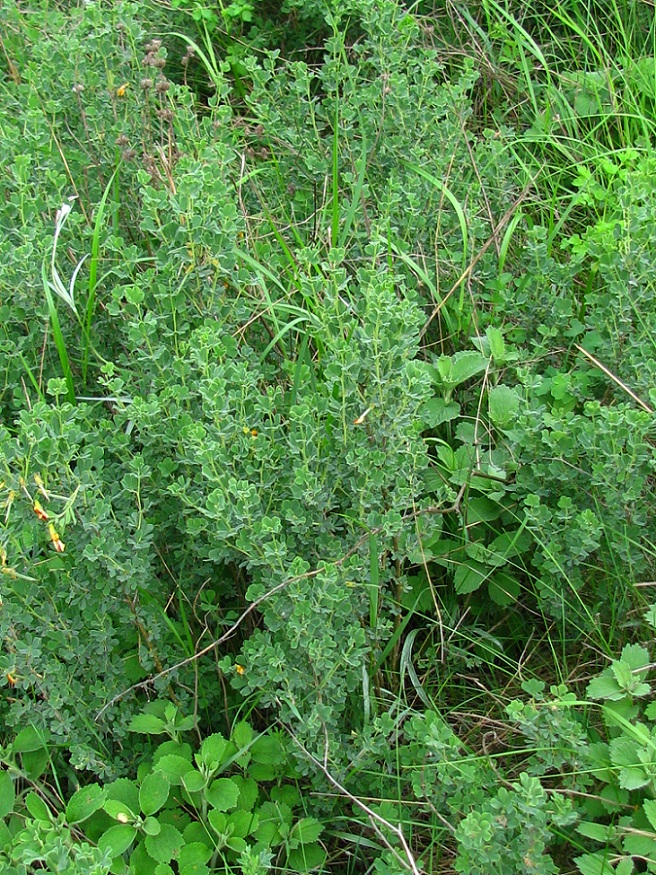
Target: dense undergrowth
[{"x": 326, "y": 437}]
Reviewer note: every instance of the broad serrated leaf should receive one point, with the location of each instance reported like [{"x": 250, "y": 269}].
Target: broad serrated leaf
[
  {"x": 616, "y": 713},
  {"x": 193, "y": 781},
  {"x": 286, "y": 793},
  {"x": 595, "y": 864},
  {"x": 222, "y": 794},
  {"x": 268, "y": 749},
  {"x": 217, "y": 820},
  {"x": 508, "y": 544},
  {"x": 212, "y": 750},
  {"x": 84, "y": 803},
  {"x": 6, "y": 838},
  {"x": 625, "y": 867},
  {"x": 614, "y": 798},
  {"x": 154, "y": 792},
  {"x": 126, "y": 791},
  {"x": 197, "y": 832},
  {"x": 622, "y": 674},
  {"x": 649, "y": 806},
  {"x": 307, "y": 830},
  {"x": 261, "y": 772},
  {"x": 240, "y": 823},
  {"x": 497, "y": 344},
  {"x": 503, "y": 405},
  {"x": 173, "y": 767},
  {"x": 482, "y": 509},
  {"x": 248, "y": 791},
  {"x": 35, "y": 763},
  {"x": 242, "y": 734},
  {"x": 639, "y": 845},
  {"x": 437, "y": 411},
  {"x": 37, "y": 807},
  {"x": 469, "y": 577},
  {"x": 650, "y": 711},
  {"x": 640, "y": 690},
  {"x": 604, "y": 687},
  {"x": 650, "y": 616},
  {"x": 305, "y": 858},
  {"x": 117, "y": 839},
  {"x": 272, "y": 817},
  {"x": 193, "y": 869},
  {"x": 7, "y": 794},
  {"x": 194, "y": 852},
  {"x": 600, "y": 832},
  {"x": 503, "y": 589},
  {"x": 147, "y": 724},
  {"x": 118, "y": 810},
  {"x": 151, "y": 826},
  {"x": 193, "y": 858},
  {"x": 29, "y": 739},
  {"x": 172, "y": 747},
  {"x": 164, "y": 846},
  {"x": 465, "y": 365},
  {"x": 636, "y": 657},
  {"x": 623, "y": 752},
  {"x": 634, "y": 777}
]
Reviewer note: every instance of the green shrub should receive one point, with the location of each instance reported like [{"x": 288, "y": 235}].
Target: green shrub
[{"x": 202, "y": 811}]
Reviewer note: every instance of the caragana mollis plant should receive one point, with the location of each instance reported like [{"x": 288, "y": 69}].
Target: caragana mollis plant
[{"x": 301, "y": 471}]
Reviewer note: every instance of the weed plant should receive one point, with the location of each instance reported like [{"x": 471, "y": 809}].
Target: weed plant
[{"x": 326, "y": 423}]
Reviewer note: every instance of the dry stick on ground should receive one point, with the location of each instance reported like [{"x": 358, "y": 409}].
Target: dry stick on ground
[
  {"x": 374, "y": 818},
  {"x": 308, "y": 575}
]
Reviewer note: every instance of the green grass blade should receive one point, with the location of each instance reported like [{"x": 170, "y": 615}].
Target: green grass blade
[
  {"x": 93, "y": 277},
  {"x": 58, "y": 336},
  {"x": 452, "y": 199},
  {"x": 374, "y": 582}
]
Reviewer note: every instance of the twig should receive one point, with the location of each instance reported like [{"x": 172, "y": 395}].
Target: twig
[
  {"x": 615, "y": 379},
  {"x": 374, "y": 818}
]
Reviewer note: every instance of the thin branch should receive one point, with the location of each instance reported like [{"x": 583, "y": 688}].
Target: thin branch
[
  {"x": 615, "y": 379},
  {"x": 374, "y": 818}
]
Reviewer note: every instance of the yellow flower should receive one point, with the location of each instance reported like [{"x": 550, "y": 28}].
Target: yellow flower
[
  {"x": 56, "y": 540},
  {"x": 40, "y": 512}
]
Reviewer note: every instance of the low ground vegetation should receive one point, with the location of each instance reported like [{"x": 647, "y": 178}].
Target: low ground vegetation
[{"x": 327, "y": 438}]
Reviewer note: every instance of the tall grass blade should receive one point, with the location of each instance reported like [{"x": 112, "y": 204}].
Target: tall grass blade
[
  {"x": 57, "y": 334},
  {"x": 93, "y": 277}
]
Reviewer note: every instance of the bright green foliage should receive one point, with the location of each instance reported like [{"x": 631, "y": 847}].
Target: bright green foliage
[
  {"x": 207, "y": 810},
  {"x": 264, "y": 397},
  {"x": 509, "y": 832},
  {"x": 553, "y": 732},
  {"x": 326, "y": 358}
]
